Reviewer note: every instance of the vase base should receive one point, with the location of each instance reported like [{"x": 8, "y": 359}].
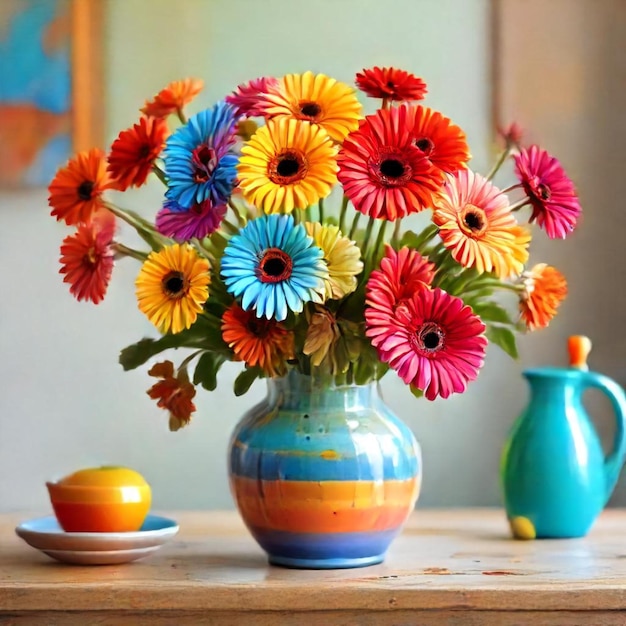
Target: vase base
[{"x": 339, "y": 563}]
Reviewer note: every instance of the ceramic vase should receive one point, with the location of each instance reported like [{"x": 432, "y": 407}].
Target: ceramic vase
[{"x": 324, "y": 476}]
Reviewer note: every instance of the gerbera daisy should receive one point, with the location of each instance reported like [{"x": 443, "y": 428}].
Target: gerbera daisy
[
  {"x": 318, "y": 99},
  {"x": 199, "y": 220},
  {"x": 76, "y": 190},
  {"x": 134, "y": 151},
  {"x": 400, "y": 275},
  {"x": 390, "y": 83},
  {"x": 342, "y": 256},
  {"x": 173, "y": 393},
  {"x": 382, "y": 172},
  {"x": 551, "y": 192},
  {"x": 256, "y": 341},
  {"x": 274, "y": 266},
  {"x": 476, "y": 224},
  {"x": 250, "y": 99},
  {"x": 200, "y": 158},
  {"x": 322, "y": 333},
  {"x": 172, "y": 286},
  {"x": 287, "y": 164},
  {"x": 87, "y": 257},
  {"x": 544, "y": 290},
  {"x": 173, "y": 98},
  {"x": 443, "y": 142},
  {"x": 435, "y": 343}
]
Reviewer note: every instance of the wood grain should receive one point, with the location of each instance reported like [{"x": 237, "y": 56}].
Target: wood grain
[{"x": 448, "y": 567}]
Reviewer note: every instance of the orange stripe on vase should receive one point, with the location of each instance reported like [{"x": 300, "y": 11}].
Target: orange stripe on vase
[{"x": 326, "y": 506}]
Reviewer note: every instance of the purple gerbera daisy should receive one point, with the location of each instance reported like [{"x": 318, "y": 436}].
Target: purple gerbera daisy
[{"x": 199, "y": 220}]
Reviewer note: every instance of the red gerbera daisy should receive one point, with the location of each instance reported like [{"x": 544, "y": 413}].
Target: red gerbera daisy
[
  {"x": 76, "y": 190},
  {"x": 249, "y": 98},
  {"x": 390, "y": 83},
  {"x": 434, "y": 341},
  {"x": 439, "y": 139},
  {"x": 257, "y": 341},
  {"x": 551, "y": 192},
  {"x": 87, "y": 258},
  {"x": 134, "y": 151},
  {"x": 400, "y": 275},
  {"x": 174, "y": 393},
  {"x": 382, "y": 172},
  {"x": 173, "y": 98}
]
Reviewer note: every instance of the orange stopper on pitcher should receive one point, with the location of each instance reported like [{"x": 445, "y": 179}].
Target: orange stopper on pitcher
[{"x": 579, "y": 348}]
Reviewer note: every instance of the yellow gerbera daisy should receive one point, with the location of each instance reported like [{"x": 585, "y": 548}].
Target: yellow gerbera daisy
[
  {"x": 287, "y": 164},
  {"x": 477, "y": 225},
  {"x": 172, "y": 286},
  {"x": 342, "y": 256},
  {"x": 318, "y": 99}
]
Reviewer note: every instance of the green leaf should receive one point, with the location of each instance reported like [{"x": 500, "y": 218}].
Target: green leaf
[
  {"x": 418, "y": 240},
  {"x": 244, "y": 381},
  {"x": 418, "y": 393},
  {"x": 492, "y": 312},
  {"x": 503, "y": 337},
  {"x": 206, "y": 370}
]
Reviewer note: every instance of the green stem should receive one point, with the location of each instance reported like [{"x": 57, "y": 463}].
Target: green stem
[
  {"x": 342, "y": 213},
  {"x": 368, "y": 233},
  {"x": 127, "y": 216},
  {"x": 197, "y": 244},
  {"x": 320, "y": 207},
  {"x": 518, "y": 205},
  {"x": 230, "y": 227},
  {"x": 395, "y": 237},
  {"x": 499, "y": 162},
  {"x": 181, "y": 116},
  {"x": 372, "y": 254},
  {"x": 307, "y": 214},
  {"x": 120, "y": 248},
  {"x": 159, "y": 173},
  {"x": 355, "y": 223},
  {"x": 241, "y": 220},
  {"x": 189, "y": 359}
]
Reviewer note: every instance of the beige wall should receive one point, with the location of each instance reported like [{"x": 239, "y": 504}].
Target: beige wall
[{"x": 66, "y": 403}]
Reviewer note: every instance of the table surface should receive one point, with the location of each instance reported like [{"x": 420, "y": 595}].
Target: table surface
[{"x": 448, "y": 567}]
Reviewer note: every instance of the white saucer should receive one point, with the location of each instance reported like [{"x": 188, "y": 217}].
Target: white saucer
[{"x": 45, "y": 534}]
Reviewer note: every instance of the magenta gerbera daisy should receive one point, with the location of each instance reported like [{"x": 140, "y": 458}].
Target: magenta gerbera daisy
[
  {"x": 550, "y": 190},
  {"x": 199, "y": 220},
  {"x": 383, "y": 172},
  {"x": 249, "y": 99},
  {"x": 434, "y": 342}
]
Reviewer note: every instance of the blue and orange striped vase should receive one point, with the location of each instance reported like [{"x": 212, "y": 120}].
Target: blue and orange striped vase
[{"x": 324, "y": 476}]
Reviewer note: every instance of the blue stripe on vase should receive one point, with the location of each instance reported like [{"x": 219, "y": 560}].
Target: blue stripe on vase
[{"x": 316, "y": 547}]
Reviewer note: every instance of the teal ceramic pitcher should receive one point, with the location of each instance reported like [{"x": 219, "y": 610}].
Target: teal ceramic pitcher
[{"x": 555, "y": 476}]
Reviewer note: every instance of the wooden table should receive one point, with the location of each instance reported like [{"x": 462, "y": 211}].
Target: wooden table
[{"x": 448, "y": 567}]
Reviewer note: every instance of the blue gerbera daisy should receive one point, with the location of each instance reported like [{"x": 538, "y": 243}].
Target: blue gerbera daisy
[
  {"x": 274, "y": 266},
  {"x": 200, "y": 158}
]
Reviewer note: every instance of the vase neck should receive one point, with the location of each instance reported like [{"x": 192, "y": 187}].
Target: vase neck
[{"x": 301, "y": 392}]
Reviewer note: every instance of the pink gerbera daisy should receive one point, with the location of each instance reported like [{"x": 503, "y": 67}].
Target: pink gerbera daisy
[
  {"x": 249, "y": 99},
  {"x": 383, "y": 172},
  {"x": 551, "y": 192},
  {"x": 199, "y": 221},
  {"x": 434, "y": 342},
  {"x": 478, "y": 227}
]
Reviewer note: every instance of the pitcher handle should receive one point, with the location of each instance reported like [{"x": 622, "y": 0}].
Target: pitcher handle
[{"x": 615, "y": 459}]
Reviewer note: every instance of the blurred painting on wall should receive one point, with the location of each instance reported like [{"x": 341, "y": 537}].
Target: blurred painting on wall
[{"x": 41, "y": 108}]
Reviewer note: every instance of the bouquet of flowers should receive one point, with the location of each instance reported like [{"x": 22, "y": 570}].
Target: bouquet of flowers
[{"x": 252, "y": 259}]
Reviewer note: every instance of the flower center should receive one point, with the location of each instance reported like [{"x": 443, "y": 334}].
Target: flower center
[
  {"x": 257, "y": 327},
  {"x": 473, "y": 220},
  {"x": 174, "y": 285},
  {"x": 392, "y": 168},
  {"x": 85, "y": 189},
  {"x": 287, "y": 167},
  {"x": 543, "y": 191},
  {"x": 425, "y": 145},
  {"x": 275, "y": 266},
  {"x": 310, "y": 110},
  {"x": 144, "y": 151},
  {"x": 430, "y": 337},
  {"x": 204, "y": 162},
  {"x": 91, "y": 257}
]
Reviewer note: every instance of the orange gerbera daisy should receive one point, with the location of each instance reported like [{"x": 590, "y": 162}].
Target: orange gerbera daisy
[
  {"x": 544, "y": 290},
  {"x": 174, "y": 393},
  {"x": 258, "y": 341},
  {"x": 476, "y": 224},
  {"x": 87, "y": 258},
  {"x": 318, "y": 99},
  {"x": 173, "y": 98},
  {"x": 443, "y": 142},
  {"x": 134, "y": 151},
  {"x": 76, "y": 190}
]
